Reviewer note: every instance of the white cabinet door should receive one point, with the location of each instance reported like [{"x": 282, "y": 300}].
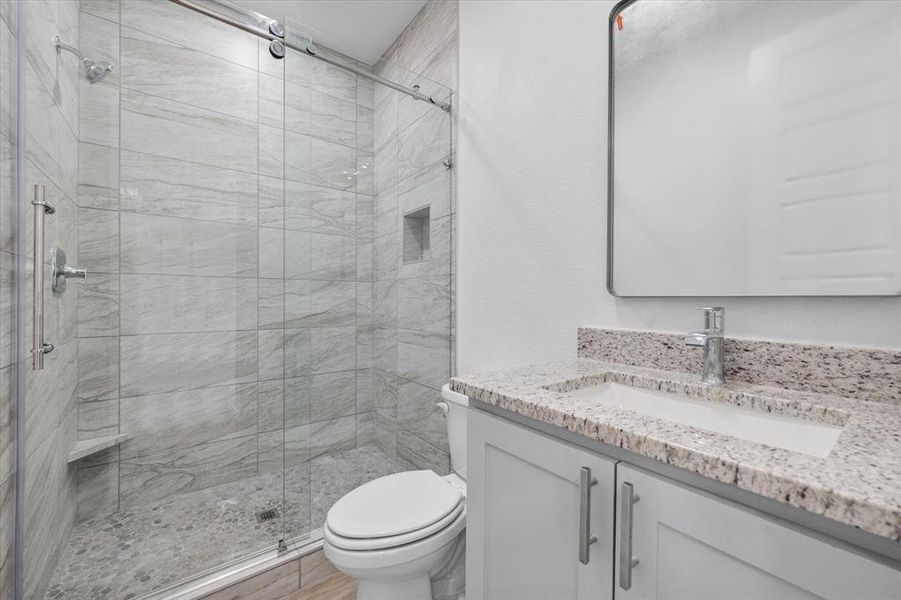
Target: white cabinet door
[
  {"x": 694, "y": 546},
  {"x": 524, "y": 496}
]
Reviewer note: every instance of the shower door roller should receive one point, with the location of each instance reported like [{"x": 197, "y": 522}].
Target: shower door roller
[{"x": 277, "y": 49}]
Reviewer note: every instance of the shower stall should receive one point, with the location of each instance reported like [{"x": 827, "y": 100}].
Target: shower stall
[{"x": 226, "y": 284}]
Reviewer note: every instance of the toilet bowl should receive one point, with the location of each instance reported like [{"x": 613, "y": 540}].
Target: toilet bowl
[{"x": 397, "y": 534}]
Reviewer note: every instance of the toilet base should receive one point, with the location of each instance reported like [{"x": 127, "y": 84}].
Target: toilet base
[{"x": 419, "y": 588}]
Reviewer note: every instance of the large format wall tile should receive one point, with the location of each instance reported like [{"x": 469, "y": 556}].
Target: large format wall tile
[
  {"x": 50, "y": 144},
  {"x": 423, "y": 357},
  {"x": 105, "y": 9},
  {"x": 320, "y": 115},
  {"x": 98, "y": 117},
  {"x": 271, "y": 355},
  {"x": 181, "y": 419},
  {"x": 183, "y": 361},
  {"x": 172, "y": 129},
  {"x": 320, "y": 162},
  {"x": 98, "y": 305},
  {"x": 185, "y": 27},
  {"x": 434, "y": 24},
  {"x": 333, "y": 436},
  {"x": 332, "y": 349},
  {"x": 424, "y": 143},
  {"x": 98, "y": 240},
  {"x": 272, "y": 101},
  {"x": 152, "y": 476},
  {"x": 98, "y": 489},
  {"x": 417, "y": 411},
  {"x": 98, "y": 38},
  {"x": 186, "y": 74},
  {"x": 422, "y": 455},
  {"x": 319, "y": 209},
  {"x": 188, "y": 190},
  {"x": 165, "y": 245},
  {"x": 424, "y": 304},
  {"x": 271, "y": 209},
  {"x": 332, "y": 395},
  {"x": 177, "y": 303},
  {"x": 98, "y": 418},
  {"x": 430, "y": 187},
  {"x": 98, "y": 176},
  {"x": 7, "y": 422},
  {"x": 98, "y": 368},
  {"x": 332, "y": 257},
  {"x": 330, "y": 304}
]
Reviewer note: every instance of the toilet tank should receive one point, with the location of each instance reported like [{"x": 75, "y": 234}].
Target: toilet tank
[{"x": 455, "y": 407}]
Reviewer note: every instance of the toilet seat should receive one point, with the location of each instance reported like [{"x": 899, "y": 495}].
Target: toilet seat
[
  {"x": 393, "y": 510},
  {"x": 395, "y": 540}
]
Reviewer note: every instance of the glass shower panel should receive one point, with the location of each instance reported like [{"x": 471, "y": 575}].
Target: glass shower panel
[
  {"x": 368, "y": 267},
  {"x": 153, "y": 441}
]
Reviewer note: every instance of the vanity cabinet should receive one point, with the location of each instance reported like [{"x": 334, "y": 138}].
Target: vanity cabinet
[
  {"x": 528, "y": 499},
  {"x": 525, "y": 495},
  {"x": 690, "y": 544}
]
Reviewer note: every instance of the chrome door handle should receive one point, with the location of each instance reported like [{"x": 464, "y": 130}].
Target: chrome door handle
[
  {"x": 627, "y": 498},
  {"x": 586, "y": 482},
  {"x": 38, "y": 347}
]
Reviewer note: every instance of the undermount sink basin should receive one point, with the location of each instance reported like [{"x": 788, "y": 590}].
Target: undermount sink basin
[{"x": 780, "y": 431}]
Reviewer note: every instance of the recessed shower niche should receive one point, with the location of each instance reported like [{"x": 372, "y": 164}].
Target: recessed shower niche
[{"x": 416, "y": 235}]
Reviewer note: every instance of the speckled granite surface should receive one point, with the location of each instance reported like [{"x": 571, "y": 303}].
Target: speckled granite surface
[
  {"x": 859, "y": 483},
  {"x": 863, "y": 373}
]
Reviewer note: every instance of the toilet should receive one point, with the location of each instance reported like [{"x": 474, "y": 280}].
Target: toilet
[{"x": 403, "y": 535}]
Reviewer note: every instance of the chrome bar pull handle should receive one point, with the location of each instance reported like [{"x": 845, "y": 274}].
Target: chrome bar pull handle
[
  {"x": 627, "y": 498},
  {"x": 586, "y": 482},
  {"x": 38, "y": 347}
]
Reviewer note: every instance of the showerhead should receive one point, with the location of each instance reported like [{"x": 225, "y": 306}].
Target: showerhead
[{"x": 95, "y": 70}]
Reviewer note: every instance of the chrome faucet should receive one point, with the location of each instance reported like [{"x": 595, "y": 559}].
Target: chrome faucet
[{"x": 711, "y": 338}]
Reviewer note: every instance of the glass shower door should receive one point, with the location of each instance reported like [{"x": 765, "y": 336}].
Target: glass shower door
[
  {"x": 152, "y": 442},
  {"x": 367, "y": 217}
]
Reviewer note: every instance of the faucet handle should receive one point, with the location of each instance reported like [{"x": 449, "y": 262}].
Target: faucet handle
[{"x": 714, "y": 318}]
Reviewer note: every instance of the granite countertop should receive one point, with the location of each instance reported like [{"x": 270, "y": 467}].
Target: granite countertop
[{"x": 858, "y": 483}]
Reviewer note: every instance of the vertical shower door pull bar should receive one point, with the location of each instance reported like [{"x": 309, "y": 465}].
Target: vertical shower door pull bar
[
  {"x": 586, "y": 482},
  {"x": 627, "y": 498},
  {"x": 38, "y": 347}
]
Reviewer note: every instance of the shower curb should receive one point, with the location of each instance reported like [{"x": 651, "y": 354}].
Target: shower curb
[{"x": 238, "y": 572}]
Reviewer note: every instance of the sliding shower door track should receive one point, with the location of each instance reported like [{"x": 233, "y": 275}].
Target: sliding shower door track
[
  {"x": 253, "y": 22},
  {"x": 239, "y": 570}
]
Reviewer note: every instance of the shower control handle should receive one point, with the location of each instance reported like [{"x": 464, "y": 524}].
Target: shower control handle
[{"x": 61, "y": 272}]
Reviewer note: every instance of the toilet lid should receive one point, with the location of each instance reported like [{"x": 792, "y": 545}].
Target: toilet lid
[{"x": 393, "y": 505}]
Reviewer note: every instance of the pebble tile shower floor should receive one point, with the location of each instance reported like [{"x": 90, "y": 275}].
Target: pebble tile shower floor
[{"x": 133, "y": 552}]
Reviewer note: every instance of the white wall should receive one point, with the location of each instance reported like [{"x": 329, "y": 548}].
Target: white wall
[{"x": 532, "y": 201}]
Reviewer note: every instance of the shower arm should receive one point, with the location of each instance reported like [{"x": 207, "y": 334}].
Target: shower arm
[{"x": 62, "y": 46}]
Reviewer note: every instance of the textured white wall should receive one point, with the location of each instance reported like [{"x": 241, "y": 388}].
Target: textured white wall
[{"x": 532, "y": 202}]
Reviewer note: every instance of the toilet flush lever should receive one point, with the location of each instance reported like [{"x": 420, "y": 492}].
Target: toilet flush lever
[
  {"x": 60, "y": 271},
  {"x": 443, "y": 407}
]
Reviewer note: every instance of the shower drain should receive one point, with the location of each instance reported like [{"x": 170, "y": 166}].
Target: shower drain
[{"x": 265, "y": 515}]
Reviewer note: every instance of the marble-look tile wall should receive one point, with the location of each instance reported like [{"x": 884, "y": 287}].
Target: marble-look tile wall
[
  {"x": 51, "y": 144},
  {"x": 225, "y": 209},
  {"x": 8, "y": 112},
  {"x": 413, "y": 298}
]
